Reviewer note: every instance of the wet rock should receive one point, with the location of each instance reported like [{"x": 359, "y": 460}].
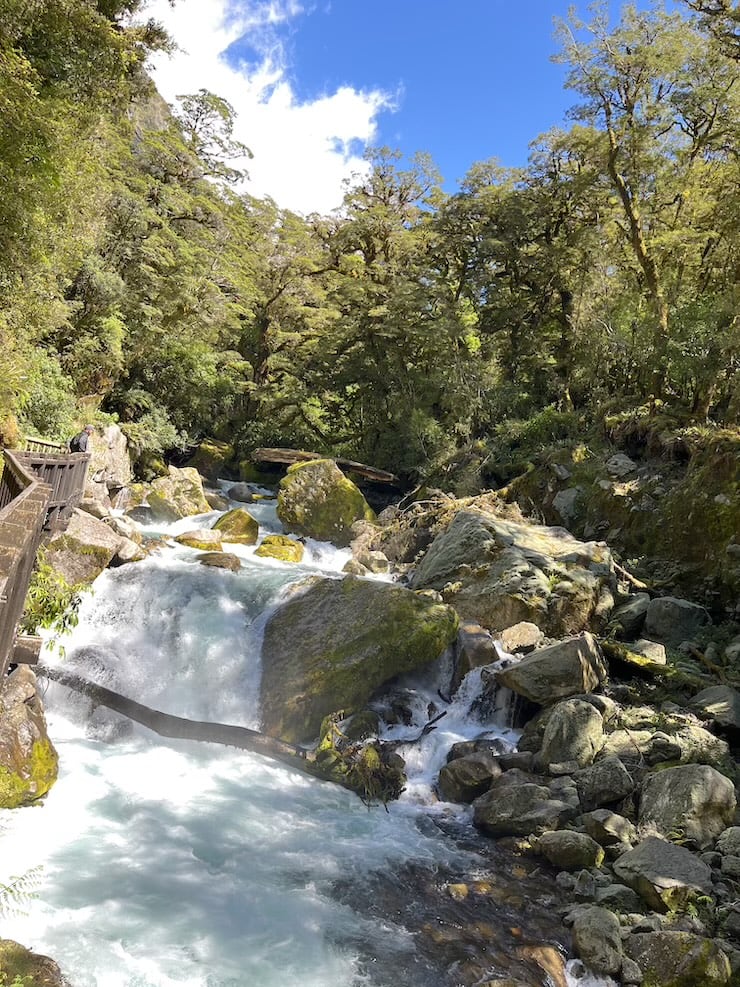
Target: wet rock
[
  {"x": 21, "y": 965},
  {"x": 317, "y": 500},
  {"x": 597, "y": 940},
  {"x": 674, "y": 620},
  {"x": 666, "y": 876},
  {"x": 475, "y": 647},
  {"x": 177, "y": 495},
  {"x": 494, "y": 746},
  {"x": 692, "y": 799},
  {"x": 332, "y": 646},
  {"x": 216, "y": 502},
  {"x": 522, "y": 637},
  {"x": 574, "y": 733},
  {"x": 519, "y": 809},
  {"x": 206, "y": 539},
  {"x": 629, "y": 618},
  {"x": 678, "y": 959},
  {"x": 237, "y": 526},
  {"x": 353, "y": 568},
  {"x": 374, "y": 561},
  {"x": 608, "y": 828},
  {"x": 28, "y": 760},
  {"x": 721, "y": 704},
  {"x": 564, "y": 669},
  {"x": 241, "y": 492},
  {"x": 569, "y": 850},
  {"x": 466, "y": 778},
  {"x": 604, "y": 783},
  {"x": 280, "y": 547},
  {"x": 631, "y": 973},
  {"x": 220, "y": 560}
]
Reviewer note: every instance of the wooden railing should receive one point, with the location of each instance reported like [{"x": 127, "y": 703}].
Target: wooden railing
[
  {"x": 65, "y": 472},
  {"x": 24, "y": 500}
]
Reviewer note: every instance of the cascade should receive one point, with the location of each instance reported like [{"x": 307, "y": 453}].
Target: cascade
[{"x": 189, "y": 865}]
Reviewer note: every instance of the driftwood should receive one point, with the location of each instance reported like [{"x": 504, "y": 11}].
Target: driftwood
[
  {"x": 290, "y": 456},
  {"x": 369, "y": 777}
]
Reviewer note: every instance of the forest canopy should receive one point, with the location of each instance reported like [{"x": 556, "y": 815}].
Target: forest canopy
[{"x": 139, "y": 284}]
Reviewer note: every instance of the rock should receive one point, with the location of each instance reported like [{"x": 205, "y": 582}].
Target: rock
[
  {"x": 220, "y": 560},
  {"x": 608, "y": 828},
  {"x": 466, "y": 778},
  {"x": 124, "y": 526},
  {"x": 728, "y": 841},
  {"x": 574, "y": 732},
  {"x": 241, "y": 492},
  {"x": 597, "y": 940},
  {"x": 692, "y": 799},
  {"x": 375, "y": 562},
  {"x": 177, "y": 495},
  {"x": 317, "y": 500},
  {"x": 84, "y": 550},
  {"x": 362, "y": 725},
  {"x": 499, "y": 572},
  {"x": 620, "y": 465},
  {"x": 216, "y": 502},
  {"x": 667, "y": 877},
  {"x": 238, "y": 526},
  {"x": 329, "y": 648},
  {"x": 619, "y": 898},
  {"x": 631, "y": 973},
  {"x": 28, "y": 760},
  {"x": 110, "y": 465},
  {"x": 128, "y": 551},
  {"x": 280, "y": 547},
  {"x": 721, "y": 704},
  {"x": 629, "y": 618},
  {"x": 605, "y": 782},
  {"x": 565, "y": 503},
  {"x": 568, "y": 850},
  {"x": 678, "y": 959},
  {"x": 673, "y": 620},
  {"x": 206, "y": 539},
  {"x": 20, "y": 965},
  {"x": 518, "y": 807},
  {"x": 213, "y": 460},
  {"x": 650, "y": 649},
  {"x": 524, "y": 637},
  {"x": 474, "y": 648},
  {"x": 564, "y": 669},
  {"x": 353, "y": 568}
]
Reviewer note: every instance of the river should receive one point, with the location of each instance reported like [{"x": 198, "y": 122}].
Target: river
[{"x": 175, "y": 864}]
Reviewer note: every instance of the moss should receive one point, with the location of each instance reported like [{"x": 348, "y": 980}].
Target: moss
[
  {"x": 280, "y": 547},
  {"x": 238, "y": 526},
  {"x": 200, "y": 544},
  {"x": 13, "y": 789},
  {"x": 317, "y": 500},
  {"x": 18, "y": 789}
]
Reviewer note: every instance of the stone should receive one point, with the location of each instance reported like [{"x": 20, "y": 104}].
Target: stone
[
  {"x": 524, "y": 637},
  {"x": 353, "y": 568},
  {"x": 280, "y": 547},
  {"x": 629, "y": 617},
  {"x": 474, "y": 648},
  {"x": 569, "y": 850},
  {"x": 694, "y": 800},
  {"x": 567, "y": 668},
  {"x": 605, "y": 782},
  {"x": 678, "y": 959},
  {"x": 721, "y": 704},
  {"x": 329, "y": 647},
  {"x": 318, "y": 501},
  {"x": 518, "y": 809},
  {"x": 28, "y": 760},
  {"x": 177, "y": 495},
  {"x": 574, "y": 732},
  {"x": 674, "y": 620},
  {"x": 20, "y": 965},
  {"x": 608, "y": 828},
  {"x": 667, "y": 877},
  {"x": 620, "y": 465},
  {"x": 237, "y": 526},
  {"x": 650, "y": 649},
  {"x": 565, "y": 503},
  {"x": 619, "y": 898},
  {"x": 220, "y": 560},
  {"x": 241, "y": 492},
  {"x": 597, "y": 940},
  {"x": 499, "y": 572},
  {"x": 213, "y": 460},
  {"x": 126, "y": 527},
  {"x": 84, "y": 550},
  {"x": 216, "y": 502},
  {"x": 374, "y": 561},
  {"x": 464, "y": 779},
  {"x": 728, "y": 841},
  {"x": 631, "y": 973},
  {"x": 128, "y": 551},
  {"x": 205, "y": 539}
]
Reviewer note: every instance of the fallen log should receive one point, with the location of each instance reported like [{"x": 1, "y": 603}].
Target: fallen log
[
  {"x": 290, "y": 456},
  {"x": 362, "y": 775}
]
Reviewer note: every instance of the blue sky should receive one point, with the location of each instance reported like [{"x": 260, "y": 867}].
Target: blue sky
[{"x": 315, "y": 82}]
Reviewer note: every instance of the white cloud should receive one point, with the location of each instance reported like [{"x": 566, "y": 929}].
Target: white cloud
[{"x": 302, "y": 151}]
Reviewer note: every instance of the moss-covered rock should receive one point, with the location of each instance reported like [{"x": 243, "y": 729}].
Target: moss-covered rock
[
  {"x": 84, "y": 550},
  {"x": 28, "y": 760},
  {"x": 238, "y": 526},
  {"x": 205, "y": 539},
  {"x": 280, "y": 547},
  {"x": 32, "y": 969},
  {"x": 678, "y": 959},
  {"x": 317, "y": 500},
  {"x": 331, "y": 647},
  {"x": 177, "y": 495},
  {"x": 213, "y": 459}
]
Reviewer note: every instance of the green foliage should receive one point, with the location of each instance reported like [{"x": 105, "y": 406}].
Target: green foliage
[{"x": 51, "y": 602}]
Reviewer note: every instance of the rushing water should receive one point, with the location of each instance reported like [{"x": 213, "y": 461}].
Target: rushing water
[{"x": 175, "y": 864}]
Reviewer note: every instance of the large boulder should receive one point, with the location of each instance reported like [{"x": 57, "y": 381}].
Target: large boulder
[
  {"x": 280, "y": 547},
  {"x": 667, "y": 877},
  {"x": 569, "y": 850},
  {"x": 28, "y": 761},
  {"x": 574, "y": 734},
  {"x": 517, "y": 806},
  {"x": 466, "y": 778},
  {"x": 317, "y": 500},
  {"x": 20, "y": 965},
  {"x": 597, "y": 940},
  {"x": 177, "y": 495},
  {"x": 499, "y": 572},
  {"x": 603, "y": 783},
  {"x": 565, "y": 669},
  {"x": 110, "y": 466},
  {"x": 332, "y": 646},
  {"x": 678, "y": 959},
  {"x": 694, "y": 800},
  {"x": 85, "y": 549},
  {"x": 721, "y": 704},
  {"x": 673, "y": 620},
  {"x": 238, "y": 526},
  {"x": 214, "y": 460}
]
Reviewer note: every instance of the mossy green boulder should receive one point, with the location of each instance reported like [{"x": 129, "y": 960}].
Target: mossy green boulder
[
  {"x": 177, "y": 495},
  {"x": 205, "y": 539},
  {"x": 238, "y": 526},
  {"x": 678, "y": 959},
  {"x": 280, "y": 547},
  {"x": 317, "y": 500},
  {"x": 213, "y": 459},
  {"x": 332, "y": 646},
  {"x": 28, "y": 760},
  {"x": 19, "y": 964}
]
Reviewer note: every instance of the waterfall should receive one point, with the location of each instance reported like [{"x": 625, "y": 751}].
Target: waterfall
[{"x": 189, "y": 865}]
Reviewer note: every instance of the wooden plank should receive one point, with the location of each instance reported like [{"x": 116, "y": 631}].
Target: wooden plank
[{"x": 290, "y": 456}]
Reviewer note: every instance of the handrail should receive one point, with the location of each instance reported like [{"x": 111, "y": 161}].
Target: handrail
[
  {"x": 42, "y": 445},
  {"x": 66, "y": 473}
]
